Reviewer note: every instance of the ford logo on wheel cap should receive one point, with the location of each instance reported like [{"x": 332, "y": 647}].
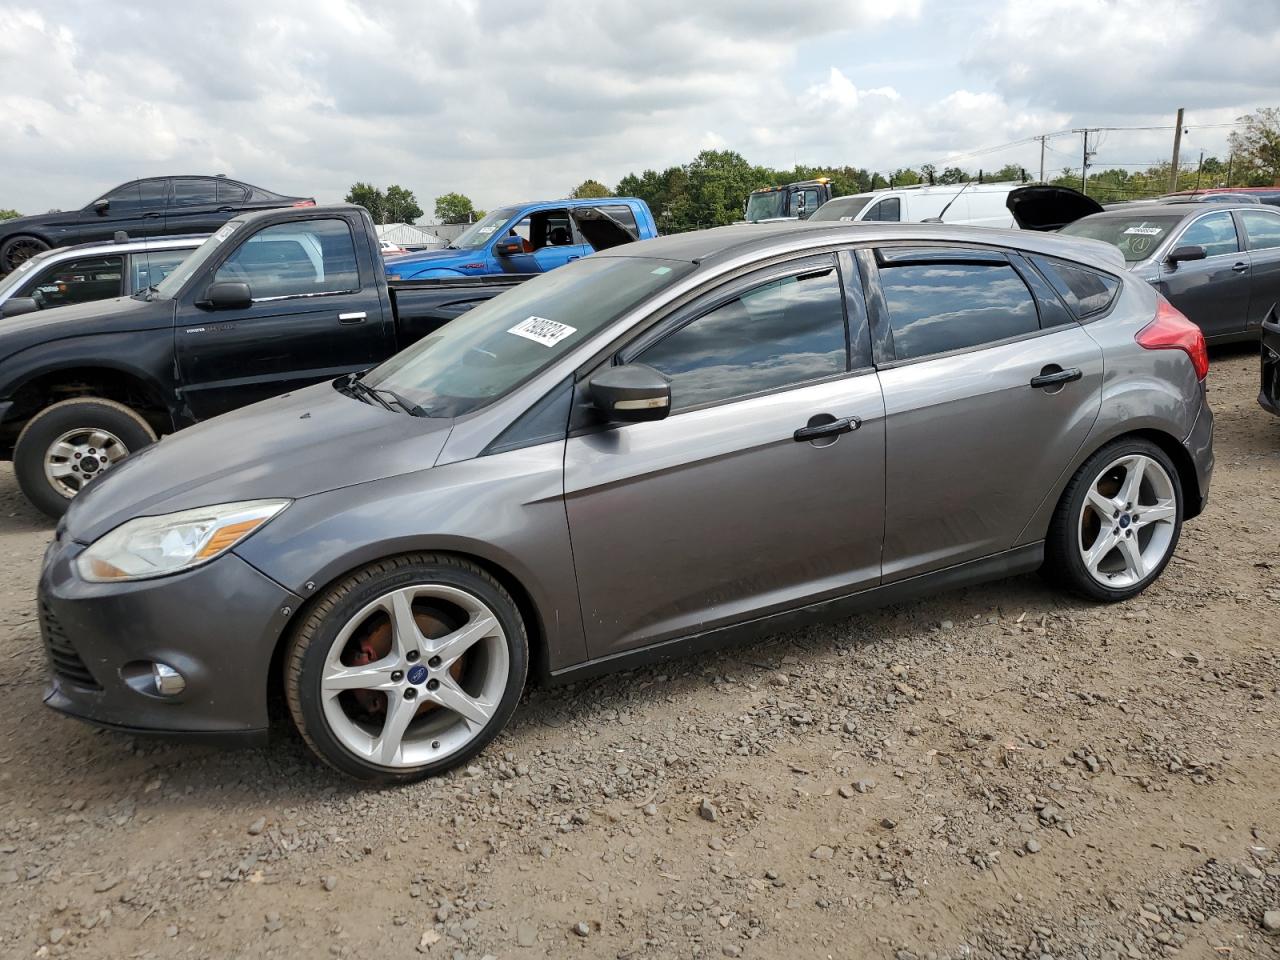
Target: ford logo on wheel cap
[{"x": 417, "y": 674}]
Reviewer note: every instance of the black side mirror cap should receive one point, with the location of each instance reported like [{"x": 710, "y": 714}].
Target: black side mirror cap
[
  {"x": 226, "y": 295},
  {"x": 16, "y": 306},
  {"x": 508, "y": 246},
  {"x": 632, "y": 393},
  {"x": 1189, "y": 251}
]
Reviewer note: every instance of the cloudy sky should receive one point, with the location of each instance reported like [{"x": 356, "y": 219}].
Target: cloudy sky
[{"x": 506, "y": 101}]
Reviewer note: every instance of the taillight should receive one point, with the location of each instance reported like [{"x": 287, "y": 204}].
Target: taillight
[
  {"x": 305, "y": 203},
  {"x": 1170, "y": 330}
]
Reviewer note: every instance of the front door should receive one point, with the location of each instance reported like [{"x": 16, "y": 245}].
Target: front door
[
  {"x": 972, "y": 447},
  {"x": 308, "y": 321},
  {"x": 719, "y": 513},
  {"x": 1262, "y": 233},
  {"x": 550, "y": 242},
  {"x": 1213, "y": 292},
  {"x": 137, "y": 208}
]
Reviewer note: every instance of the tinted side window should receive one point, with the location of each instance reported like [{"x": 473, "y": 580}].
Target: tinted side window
[
  {"x": 1216, "y": 233},
  {"x": 889, "y": 209},
  {"x": 75, "y": 281},
  {"x": 295, "y": 259},
  {"x": 622, "y": 213},
  {"x": 782, "y": 333},
  {"x": 190, "y": 191},
  {"x": 136, "y": 196},
  {"x": 231, "y": 192},
  {"x": 939, "y": 306},
  {"x": 1086, "y": 291},
  {"x": 1262, "y": 229}
]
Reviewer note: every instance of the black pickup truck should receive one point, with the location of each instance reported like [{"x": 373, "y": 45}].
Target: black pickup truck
[{"x": 272, "y": 301}]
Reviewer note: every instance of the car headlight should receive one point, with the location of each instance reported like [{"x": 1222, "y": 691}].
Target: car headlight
[{"x": 158, "y": 546}]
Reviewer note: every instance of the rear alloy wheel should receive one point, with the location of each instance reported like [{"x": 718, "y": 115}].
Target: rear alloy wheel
[
  {"x": 1118, "y": 523},
  {"x": 18, "y": 250},
  {"x": 407, "y": 669},
  {"x": 69, "y": 444}
]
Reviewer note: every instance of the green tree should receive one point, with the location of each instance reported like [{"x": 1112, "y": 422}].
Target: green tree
[
  {"x": 400, "y": 205},
  {"x": 1256, "y": 148},
  {"x": 953, "y": 175},
  {"x": 589, "y": 189},
  {"x": 455, "y": 208},
  {"x": 369, "y": 197},
  {"x": 9, "y": 214},
  {"x": 719, "y": 182}
]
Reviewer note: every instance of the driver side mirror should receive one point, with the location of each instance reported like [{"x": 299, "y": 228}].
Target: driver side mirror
[
  {"x": 16, "y": 306},
  {"x": 631, "y": 393},
  {"x": 1188, "y": 251},
  {"x": 226, "y": 295},
  {"x": 508, "y": 246},
  {"x": 100, "y": 207}
]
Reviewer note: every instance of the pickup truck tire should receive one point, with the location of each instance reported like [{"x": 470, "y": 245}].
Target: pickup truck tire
[
  {"x": 66, "y": 445},
  {"x": 406, "y": 668},
  {"x": 17, "y": 250}
]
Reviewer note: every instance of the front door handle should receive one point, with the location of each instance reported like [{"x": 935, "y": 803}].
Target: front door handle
[
  {"x": 1056, "y": 378},
  {"x": 226, "y": 210},
  {"x": 574, "y": 257},
  {"x": 833, "y": 428},
  {"x": 352, "y": 317},
  {"x": 151, "y": 216},
  {"x": 1239, "y": 267}
]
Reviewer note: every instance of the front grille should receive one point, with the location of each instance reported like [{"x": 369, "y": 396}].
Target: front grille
[{"x": 63, "y": 659}]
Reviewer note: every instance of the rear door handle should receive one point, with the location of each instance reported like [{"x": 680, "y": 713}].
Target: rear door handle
[
  {"x": 1060, "y": 376},
  {"x": 226, "y": 209},
  {"x": 1239, "y": 268},
  {"x": 832, "y": 429},
  {"x": 352, "y": 317},
  {"x": 151, "y": 216}
]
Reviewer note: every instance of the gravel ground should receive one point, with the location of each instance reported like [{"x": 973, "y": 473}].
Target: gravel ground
[{"x": 993, "y": 772}]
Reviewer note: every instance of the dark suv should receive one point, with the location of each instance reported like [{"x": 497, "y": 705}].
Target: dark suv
[{"x": 143, "y": 208}]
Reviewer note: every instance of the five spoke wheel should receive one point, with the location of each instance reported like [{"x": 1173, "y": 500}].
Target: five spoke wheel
[{"x": 1128, "y": 521}]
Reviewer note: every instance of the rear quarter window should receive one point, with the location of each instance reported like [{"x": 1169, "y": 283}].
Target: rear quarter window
[{"x": 1087, "y": 292}]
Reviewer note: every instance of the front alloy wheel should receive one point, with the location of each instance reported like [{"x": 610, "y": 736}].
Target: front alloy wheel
[{"x": 407, "y": 669}]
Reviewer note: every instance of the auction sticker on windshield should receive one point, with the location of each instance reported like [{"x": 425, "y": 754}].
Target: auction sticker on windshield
[
  {"x": 543, "y": 331},
  {"x": 1145, "y": 231}
]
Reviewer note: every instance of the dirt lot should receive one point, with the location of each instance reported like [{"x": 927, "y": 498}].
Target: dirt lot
[{"x": 993, "y": 772}]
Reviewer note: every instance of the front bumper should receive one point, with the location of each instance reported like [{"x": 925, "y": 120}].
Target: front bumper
[
  {"x": 1269, "y": 394},
  {"x": 218, "y": 625}
]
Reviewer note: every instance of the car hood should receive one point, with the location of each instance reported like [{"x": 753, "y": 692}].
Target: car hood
[
  {"x": 99, "y": 316},
  {"x": 1049, "y": 208},
  {"x": 410, "y": 264},
  {"x": 302, "y": 443}
]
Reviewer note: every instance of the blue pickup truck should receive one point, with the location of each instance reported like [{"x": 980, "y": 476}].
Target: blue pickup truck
[{"x": 531, "y": 238}]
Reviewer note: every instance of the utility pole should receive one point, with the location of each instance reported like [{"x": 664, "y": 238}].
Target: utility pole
[
  {"x": 1199, "y": 169},
  {"x": 1042, "y": 138},
  {"x": 1177, "y": 145},
  {"x": 1084, "y": 157}
]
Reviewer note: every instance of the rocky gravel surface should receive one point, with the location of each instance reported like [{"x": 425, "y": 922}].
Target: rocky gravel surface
[{"x": 994, "y": 772}]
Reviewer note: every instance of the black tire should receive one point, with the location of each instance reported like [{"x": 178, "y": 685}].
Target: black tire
[
  {"x": 314, "y": 636},
  {"x": 1063, "y": 564},
  {"x": 19, "y": 249},
  {"x": 42, "y": 430}
]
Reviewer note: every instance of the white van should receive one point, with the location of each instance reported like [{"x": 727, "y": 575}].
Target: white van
[{"x": 981, "y": 204}]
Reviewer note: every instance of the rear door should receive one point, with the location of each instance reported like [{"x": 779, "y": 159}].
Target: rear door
[
  {"x": 1213, "y": 292},
  {"x": 719, "y": 513},
  {"x": 308, "y": 320},
  {"x": 194, "y": 206},
  {"x": 972, "y": 447},
  {"x": 1261, "y": 230},
  {"x": 606, "y": 226}
]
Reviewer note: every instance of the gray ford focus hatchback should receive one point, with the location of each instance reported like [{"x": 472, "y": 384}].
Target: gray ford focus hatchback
[{"x": 663, "y": 447}]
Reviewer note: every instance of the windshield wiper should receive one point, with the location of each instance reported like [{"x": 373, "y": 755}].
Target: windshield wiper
[{"x": 380, "y": 394}]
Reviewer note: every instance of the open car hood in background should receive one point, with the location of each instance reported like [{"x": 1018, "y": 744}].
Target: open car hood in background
[
  {"x": 602, "y": 230},
  {"x": 1049, "y": 208}
]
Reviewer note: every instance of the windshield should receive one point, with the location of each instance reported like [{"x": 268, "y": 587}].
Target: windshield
[
  {"x": 762, "y": 206},
  {"x": 23, "y": 270},
  {"x": 1135, "y": 236},
  {"x": 478, "y": 234},
  {"x": 841, "y": 208},
  {"x": 489, "y": 351},
  {"x": 170, "y": 285}
]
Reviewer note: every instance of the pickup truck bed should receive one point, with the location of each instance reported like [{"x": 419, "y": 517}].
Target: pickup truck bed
[{"x": 423, "y": 306}]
